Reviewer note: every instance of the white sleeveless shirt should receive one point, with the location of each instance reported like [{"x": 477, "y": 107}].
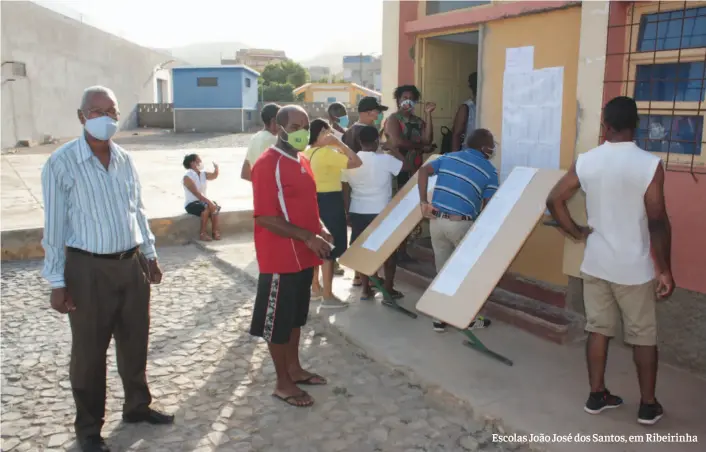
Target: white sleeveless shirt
[
  {"x": 615, "y": 177},
  {"x": 200, "y": 182},
  {"x": 471, "y": 121}
]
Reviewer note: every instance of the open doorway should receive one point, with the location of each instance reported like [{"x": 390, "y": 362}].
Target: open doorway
[{"x": 447, "y": 61}]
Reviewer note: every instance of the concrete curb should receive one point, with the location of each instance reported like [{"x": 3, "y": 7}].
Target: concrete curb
[
  {"x": 24, "y": 244},
  {"x": 436, "y": 395}
]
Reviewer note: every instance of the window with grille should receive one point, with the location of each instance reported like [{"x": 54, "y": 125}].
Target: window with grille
[
  {"x": 207, "y": 81},
  {"x": 657, "y": 54}
]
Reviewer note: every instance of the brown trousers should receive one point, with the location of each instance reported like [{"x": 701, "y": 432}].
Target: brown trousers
[{"x": 112, "y": 299}]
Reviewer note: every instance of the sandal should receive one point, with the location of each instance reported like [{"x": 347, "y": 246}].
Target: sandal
[
  {"x": 297, "y": 400},
  {"x": 311, "y": 381},
  {"x": 367, "y": 296},
  {"x": 204, "y": 237},
  {"x": 217, "y": 235}
]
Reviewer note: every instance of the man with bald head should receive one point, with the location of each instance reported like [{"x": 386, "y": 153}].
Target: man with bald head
[
  {"x": 466, "y": 181},
  {"x": 100, "y": 260},
  {"x": 290, "y": 241}
]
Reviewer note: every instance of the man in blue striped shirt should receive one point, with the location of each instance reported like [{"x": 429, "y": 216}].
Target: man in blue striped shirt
[
  {"x": 466, "y": 180},
  {"x": 100, "y": 260}
]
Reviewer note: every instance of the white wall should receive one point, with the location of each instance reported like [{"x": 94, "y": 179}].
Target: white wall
[
  {"x": 340, "y": 95},
  {"x": 63, "y": 57},
  {"x": 390, "y": 50},
  {"x": 166, "y": 75}
]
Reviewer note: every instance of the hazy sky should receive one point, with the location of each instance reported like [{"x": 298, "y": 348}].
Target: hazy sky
[{"x": 301, "y": 28}]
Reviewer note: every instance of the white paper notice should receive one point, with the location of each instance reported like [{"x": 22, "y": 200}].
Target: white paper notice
[
  {"x": 396, "y": 216},
  {"x": 531, "y": 127},
  {"x": 519, "y": 59},
  {"x": 483, "y": 231}
]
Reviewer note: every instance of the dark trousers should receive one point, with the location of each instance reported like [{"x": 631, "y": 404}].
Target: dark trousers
[{"x": 112, "y": 299}]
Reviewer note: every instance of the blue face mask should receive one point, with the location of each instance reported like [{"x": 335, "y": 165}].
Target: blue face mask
[{"x": 343, "y": 121}]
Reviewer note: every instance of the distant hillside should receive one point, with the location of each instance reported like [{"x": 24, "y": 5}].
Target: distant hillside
[{"x": 207, "y": 53}]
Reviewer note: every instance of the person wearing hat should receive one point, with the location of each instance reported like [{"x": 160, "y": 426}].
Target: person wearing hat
[{"x": 370, "y": 113}]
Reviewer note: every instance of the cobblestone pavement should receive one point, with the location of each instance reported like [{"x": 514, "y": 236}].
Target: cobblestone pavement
[{"x": 204, "y": 367}]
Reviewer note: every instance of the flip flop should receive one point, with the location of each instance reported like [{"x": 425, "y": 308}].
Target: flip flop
[
  {"x": 205, "y": 237},
  {"x": 291, "y": 400},
  {"x": 367, "y": 297},
  {"x": 310, "y": 381},
  {"x": 216, "y": 236}
]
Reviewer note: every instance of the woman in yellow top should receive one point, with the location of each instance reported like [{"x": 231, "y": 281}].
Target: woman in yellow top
[{"x": 329, "y": 157}]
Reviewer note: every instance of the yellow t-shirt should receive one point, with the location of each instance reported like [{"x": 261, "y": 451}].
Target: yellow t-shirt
[
  {"x": 259, "y": 143},
  {"x": 327, "y": 164}
]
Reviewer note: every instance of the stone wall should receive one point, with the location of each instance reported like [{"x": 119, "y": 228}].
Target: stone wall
[
  {"x": 162, "y": 116},
  {"x": 159, "y": 116}
]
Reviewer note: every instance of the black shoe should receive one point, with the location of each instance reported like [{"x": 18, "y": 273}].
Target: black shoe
[
  {"x": 599, "y": 401},
  {"x": 93, "y": 443},
  {"x": 480, "y": 322},
  {"x": 650, "y": 413},
  {"x": 439, "y": 327},
  {"x": 150, "y": 417}
]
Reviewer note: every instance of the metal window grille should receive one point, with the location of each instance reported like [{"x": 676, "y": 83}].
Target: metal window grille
[{"x": 656, "y": 53}]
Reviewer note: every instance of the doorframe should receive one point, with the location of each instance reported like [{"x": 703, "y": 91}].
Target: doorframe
[{"x": 480, "y": 72}]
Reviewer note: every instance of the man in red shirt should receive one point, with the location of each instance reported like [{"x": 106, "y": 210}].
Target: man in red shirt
[{"x": 289, "y": 242}]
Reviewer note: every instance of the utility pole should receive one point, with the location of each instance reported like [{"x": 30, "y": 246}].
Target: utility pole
[{"x": 361, "y": 69}]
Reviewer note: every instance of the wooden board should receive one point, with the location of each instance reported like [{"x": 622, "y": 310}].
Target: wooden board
[
  {"x": 476, "y": 277},
  {"x": 367, "y": 261}
]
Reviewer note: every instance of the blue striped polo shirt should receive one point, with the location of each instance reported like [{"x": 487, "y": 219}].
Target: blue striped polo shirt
[{"x": 465, "y": 179}]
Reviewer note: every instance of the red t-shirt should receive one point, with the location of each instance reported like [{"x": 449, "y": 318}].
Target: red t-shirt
[{"x": 283, "y": 186}]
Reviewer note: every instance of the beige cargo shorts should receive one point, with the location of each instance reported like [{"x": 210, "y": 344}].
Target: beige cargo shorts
[{"x": 607, "y": 304}]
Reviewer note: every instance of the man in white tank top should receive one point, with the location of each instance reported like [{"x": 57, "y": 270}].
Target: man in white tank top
[
  {"x": 465, "y": 119},
  {"x": 626, "y": 265}
]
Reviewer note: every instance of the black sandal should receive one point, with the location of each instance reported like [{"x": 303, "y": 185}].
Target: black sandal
[{"x": 292, "y": 399}]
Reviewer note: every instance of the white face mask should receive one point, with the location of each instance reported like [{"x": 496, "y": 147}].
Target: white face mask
[
  {"x": 199, "y": 167},
  {"x": 102, "y": 128}
]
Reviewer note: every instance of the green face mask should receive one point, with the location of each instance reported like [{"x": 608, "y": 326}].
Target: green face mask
[
  {"x": 299, "y": 140},
  {"x": 379, "y": 119}
]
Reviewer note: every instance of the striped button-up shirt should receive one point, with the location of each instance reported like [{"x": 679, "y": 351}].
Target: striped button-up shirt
[
  {"x": 466, "y": 179},
  {"x": 91, "y": 208}
]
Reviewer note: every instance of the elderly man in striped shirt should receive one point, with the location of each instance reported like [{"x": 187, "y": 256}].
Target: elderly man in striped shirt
[
  {"x": 466, "y": 181},
  {"x": 100, "y": 261}
]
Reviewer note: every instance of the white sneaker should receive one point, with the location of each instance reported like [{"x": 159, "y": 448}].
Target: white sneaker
[{"x": 333, "y": 303}]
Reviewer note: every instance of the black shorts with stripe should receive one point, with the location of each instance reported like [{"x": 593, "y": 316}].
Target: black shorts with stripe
[{"x": 281, "y": 304}]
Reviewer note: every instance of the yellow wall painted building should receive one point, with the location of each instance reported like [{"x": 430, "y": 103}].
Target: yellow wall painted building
[
  {"x": 555, "y": 37},
  {"x": 334, "y": 92}
]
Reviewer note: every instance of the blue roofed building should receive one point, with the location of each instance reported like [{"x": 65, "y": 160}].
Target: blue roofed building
[{"x": 215, "y": 99}]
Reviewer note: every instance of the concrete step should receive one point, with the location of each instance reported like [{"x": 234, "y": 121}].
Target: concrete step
[
  {"x": 535, "y": 309},
  {"x": 21, "y": 244}
]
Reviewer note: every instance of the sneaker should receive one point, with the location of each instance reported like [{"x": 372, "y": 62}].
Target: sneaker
[
  {"x": 479, "y": 323},
  {"x": 599, "y": 401},
  {"x": 333, "y": 303},
  {"x": 337, "y": 270},
  {"x": 650, "y": 413},
  {"x": 439, "y": 327}
]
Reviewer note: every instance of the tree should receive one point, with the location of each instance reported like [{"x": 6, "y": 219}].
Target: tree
[
  {"x": 285, "y": 72},
  {"x": 278, "y": 92}
]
